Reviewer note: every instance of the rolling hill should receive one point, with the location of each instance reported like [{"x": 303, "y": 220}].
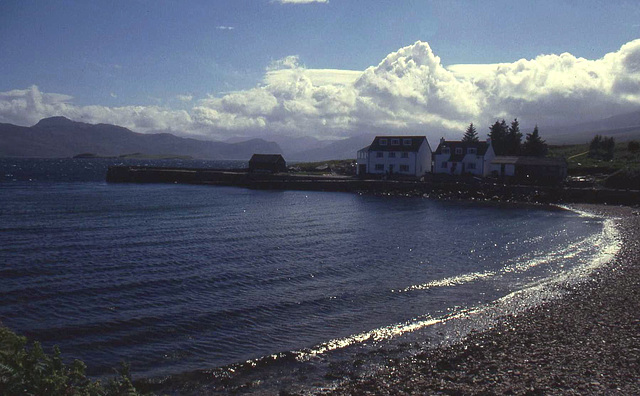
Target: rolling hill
[{"x": 59, "y": 137}]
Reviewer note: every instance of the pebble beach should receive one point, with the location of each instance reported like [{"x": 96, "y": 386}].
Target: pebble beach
[{"x": 587, "y": 342}]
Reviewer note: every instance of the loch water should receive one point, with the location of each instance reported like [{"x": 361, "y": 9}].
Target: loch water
[{"x": 174, "y": 278}]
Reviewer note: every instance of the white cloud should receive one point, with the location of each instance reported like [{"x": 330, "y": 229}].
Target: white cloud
[
  {"x": 225, "y": 27},
  {"x": 286, "y": 63},
  {"x": 409, "y": 91},
  {"x": 27, "y": 107},
  {"x": 184, "y": 98}
]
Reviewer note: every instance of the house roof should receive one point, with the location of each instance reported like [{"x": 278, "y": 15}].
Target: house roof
[
  {"x": 416, "y": 143},
  {"x": 481, "y": 148},
  {"x": 532, "y": 161},
  {"x": 364, "y": 148},
  {"x": 266, "y": 158}
]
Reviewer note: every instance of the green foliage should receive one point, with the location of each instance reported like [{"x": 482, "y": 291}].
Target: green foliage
[
  {"x": 498, "y": 136},
  {"x": 513, "y": 138},
  {"x": 470, "y": 135},
  {"x": 506, "y": 140},
  {"x": 28, "y": 370},
  {"x": 633, "y": 146},
  {"x": 533, "y": 145},
  {"x": 602, "y": 148}
]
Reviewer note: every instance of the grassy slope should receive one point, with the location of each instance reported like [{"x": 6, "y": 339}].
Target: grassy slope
[{"x": 577, "y": 158}]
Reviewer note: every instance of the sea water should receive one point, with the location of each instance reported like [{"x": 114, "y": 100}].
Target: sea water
[{"x": 174, "y": 278}]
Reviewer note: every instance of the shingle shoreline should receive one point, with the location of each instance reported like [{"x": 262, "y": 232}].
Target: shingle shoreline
[{"x": 587, "y": 342}]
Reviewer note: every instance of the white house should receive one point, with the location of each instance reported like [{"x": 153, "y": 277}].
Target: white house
[
  {"x": 395, "y": 155},
  {"x": 457, "y": 157}
]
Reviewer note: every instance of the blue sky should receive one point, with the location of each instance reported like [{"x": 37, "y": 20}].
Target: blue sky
[{"x": 177, "y": 55}]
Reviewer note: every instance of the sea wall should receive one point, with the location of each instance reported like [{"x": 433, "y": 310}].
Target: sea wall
[{"x": 475, "y": 190}]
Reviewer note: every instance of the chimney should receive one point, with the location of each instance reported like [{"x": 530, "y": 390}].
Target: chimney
[{"x": 442, "y": 140}]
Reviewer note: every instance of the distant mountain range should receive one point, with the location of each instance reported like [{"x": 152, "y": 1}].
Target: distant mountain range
[
  {"x": 623, "y": 127},
  {"x": 59, "y": 137}
]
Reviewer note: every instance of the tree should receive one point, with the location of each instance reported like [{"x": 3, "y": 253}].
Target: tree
[
  {"x": 633, "y": 146},
  {"x": 27, "y": 370},
  {"x": 471, "y": 135},
  {"x": 602, "y": 148},
  {"x": 498, "y": 135},
  {"x": 533, "y": 145},
  {"x": 609, "y": 148},
  {"x": 513, "y": 138}
]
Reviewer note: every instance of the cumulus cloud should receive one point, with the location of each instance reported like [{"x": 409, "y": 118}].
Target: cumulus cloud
[
  {"x": 409, "y": 91},
  {"x": 28, "y": 106}
]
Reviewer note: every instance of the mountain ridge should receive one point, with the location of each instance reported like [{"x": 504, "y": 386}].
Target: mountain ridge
[{"x": 60, "y": 137}]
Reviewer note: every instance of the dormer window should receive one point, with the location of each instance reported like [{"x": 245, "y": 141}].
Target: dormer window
[
  {"x": 458, "y": 150},
  {"x": 383, "y": 142},
  {"x": 472, "y": 150},
  {"x": 445, "y": 150},
  {"x": 395, "y": 142},
  {"x": 406, "y": 142}
]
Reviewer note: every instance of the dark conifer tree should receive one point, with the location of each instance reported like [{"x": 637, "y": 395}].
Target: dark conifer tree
[
  {"x": 609, "y": 147},
  {"x": 470, "y": 135},
  {"x": 533, "y": 145},
  {"x": 602, "y": 148},
  {"x": 513, "y": 138},
  {"x": 594, "y": 146},
  {"x": 498, "y": 135}
]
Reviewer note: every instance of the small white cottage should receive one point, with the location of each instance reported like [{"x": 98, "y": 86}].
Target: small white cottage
[
  {"x": 395, "y": 155},
  {"x": 457, "y": 157}
]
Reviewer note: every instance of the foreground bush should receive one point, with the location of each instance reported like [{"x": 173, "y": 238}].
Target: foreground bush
[{"x": 27, "y": 370}]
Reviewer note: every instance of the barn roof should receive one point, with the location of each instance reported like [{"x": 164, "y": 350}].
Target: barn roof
[{"x": 266, "y": 158}]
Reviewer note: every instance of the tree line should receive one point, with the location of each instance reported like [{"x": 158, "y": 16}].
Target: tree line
[
  {"x": 602, "y": 147},
  {"x": 507, "y": 139}
]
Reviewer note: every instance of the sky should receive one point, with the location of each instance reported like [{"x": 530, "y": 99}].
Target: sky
[{"x": 216, "y": 69}]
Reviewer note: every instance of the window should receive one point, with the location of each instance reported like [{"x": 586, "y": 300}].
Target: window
[
  {"x": 392, "y": 154},
  {"x": 405, "y": 155},
  {"x": 404, "y": 168},
  {"x": 379, "y": 167},
  {"x": 471, "y": 165},
  {"x": 395, "y": 142},
  {"x": 472, "y": 150},
  {"x": 444, "y": 165},
  {"x": 458, "y": 150},
  {"x": 379, "y": 154},
  {"x": 445, "y": 150},
  {"x": 406, "y": 142},
  {"x": 383, "y": 142}
]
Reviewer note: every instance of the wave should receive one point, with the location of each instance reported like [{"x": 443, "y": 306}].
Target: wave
[{"x": 607, "y": 242}]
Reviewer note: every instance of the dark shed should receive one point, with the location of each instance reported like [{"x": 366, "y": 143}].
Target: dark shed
[{"x": 267, "y": 163}]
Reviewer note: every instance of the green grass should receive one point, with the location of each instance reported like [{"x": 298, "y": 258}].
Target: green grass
[{"x": 576, "y": 156}]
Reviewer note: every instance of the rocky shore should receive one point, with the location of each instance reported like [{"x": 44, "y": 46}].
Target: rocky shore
[{"x": 587, "y": 342}]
